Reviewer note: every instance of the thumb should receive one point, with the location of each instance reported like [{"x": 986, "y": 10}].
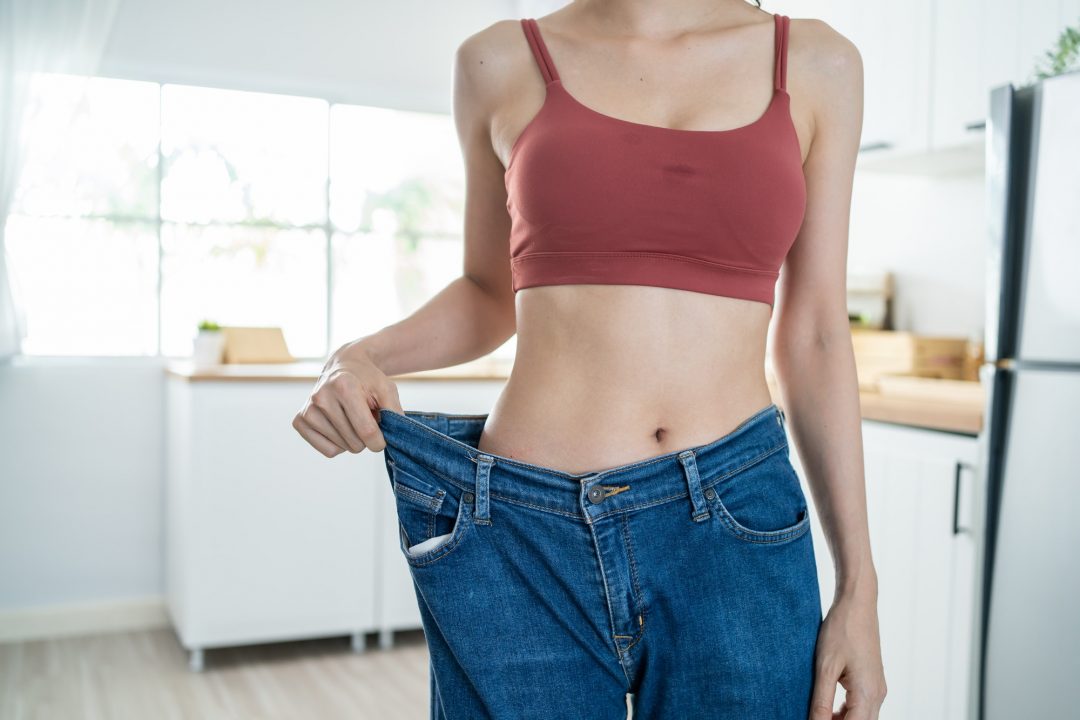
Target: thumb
[{"x": 386, "y": 396}]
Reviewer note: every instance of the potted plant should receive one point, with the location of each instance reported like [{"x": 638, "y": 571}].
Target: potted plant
[{"x": 208, "y": 346}]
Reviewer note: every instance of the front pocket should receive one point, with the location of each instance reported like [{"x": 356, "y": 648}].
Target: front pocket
[
  {"x": 432, "y": 513},
  {"x": 419, "y": 504},
  {"x": 424, "y": 552},
  {"x": 762, "y": 503}
]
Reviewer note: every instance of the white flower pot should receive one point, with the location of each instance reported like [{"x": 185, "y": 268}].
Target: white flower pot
[{"x": 208, "y": 348}]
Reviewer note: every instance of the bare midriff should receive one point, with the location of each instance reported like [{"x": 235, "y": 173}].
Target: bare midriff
[{"x": 607, "y": 375}]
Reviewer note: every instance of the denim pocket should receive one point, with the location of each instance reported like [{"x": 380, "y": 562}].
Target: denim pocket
[
  {"x": 432, "y": 514},
  {"x": 762, "y": 503}
]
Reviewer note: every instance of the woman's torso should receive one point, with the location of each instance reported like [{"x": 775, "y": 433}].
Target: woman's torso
[{"x": 608, "y": 374}]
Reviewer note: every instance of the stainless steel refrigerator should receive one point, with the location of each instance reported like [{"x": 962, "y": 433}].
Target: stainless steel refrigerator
[{"x": 1029, "y": 660}]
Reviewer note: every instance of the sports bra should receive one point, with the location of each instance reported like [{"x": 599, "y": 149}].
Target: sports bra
[{"x": 596, "y": 199}]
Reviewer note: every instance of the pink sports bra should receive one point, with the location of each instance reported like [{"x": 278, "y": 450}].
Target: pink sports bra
[{"x": 597, "y": 199}]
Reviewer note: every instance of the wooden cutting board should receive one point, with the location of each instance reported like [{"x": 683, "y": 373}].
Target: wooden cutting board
[{"x": 937, "y": 389}]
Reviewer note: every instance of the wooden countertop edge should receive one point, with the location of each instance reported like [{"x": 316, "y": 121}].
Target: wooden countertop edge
[{"x": 964, "y": 418}]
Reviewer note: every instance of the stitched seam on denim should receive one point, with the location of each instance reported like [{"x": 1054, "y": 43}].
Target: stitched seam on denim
[
  {"x": 460, "y": 528},
  {"x": 433, "y": 499},
  {"x": 456, "y": 483},
  {"x": 543, "y": 508},
  {"x": 633, "y": 575},
  {"x": 745, "y": 466},
  {"x": 408, "y": 493},
  {"x": 607, "y": 598},
  {"x": 765, "y": 537},
  {"x": 669, "y": 498},
  {"x": 644, "y": 463},
  {"x": 472, "y": 451},
  {"x": 745, "y": 533}
]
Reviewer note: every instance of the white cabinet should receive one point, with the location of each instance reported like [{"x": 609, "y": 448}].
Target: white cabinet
[
  {"x": 922, "y": 500},
  {"x": 894, "y": 42},
  {"x": 928, "y": 68},
  {"x": 964, "y": 32},
  {"x": 981, "y": 44},
  {"x": 265, "y": 538}
]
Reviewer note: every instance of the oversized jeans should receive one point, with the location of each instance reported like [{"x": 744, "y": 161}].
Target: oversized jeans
[{"x": 686, "y": 579}]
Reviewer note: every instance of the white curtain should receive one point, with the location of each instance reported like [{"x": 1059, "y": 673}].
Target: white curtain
[{"x": 66, "y": 36}]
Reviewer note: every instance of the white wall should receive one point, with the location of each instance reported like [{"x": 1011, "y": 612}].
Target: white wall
[
  {"x": 390, "y": 54},
  {"x": 81, "y": 489},
  {"x": 931, "y": 233},
  {"x": 80, "y": 445}
]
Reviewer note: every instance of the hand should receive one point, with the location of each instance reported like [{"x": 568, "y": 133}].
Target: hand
[
  {"x": 849, "y": 652},
  {"x": 339, "y": 415}
]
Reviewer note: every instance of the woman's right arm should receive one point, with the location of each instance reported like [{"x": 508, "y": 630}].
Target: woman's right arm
[{"x": 467, "y": 319}]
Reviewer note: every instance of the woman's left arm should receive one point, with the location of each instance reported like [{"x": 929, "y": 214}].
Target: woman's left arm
[{"x": 815, "y": 368}]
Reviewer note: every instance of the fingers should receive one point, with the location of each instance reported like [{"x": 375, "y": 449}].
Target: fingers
[
  {"x": 858, "y": 707},
  {"x": 387, "y": 397},
  {"x": 821, "y": 702},
  {"x": 318, "y": 420},
  {"x": 333, "y": 400},
  {"x": 340, "y": 414},
  {"x": 314, "y": 438}
]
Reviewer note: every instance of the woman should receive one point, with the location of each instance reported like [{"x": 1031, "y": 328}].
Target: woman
[{"x": 626, "y": 519}]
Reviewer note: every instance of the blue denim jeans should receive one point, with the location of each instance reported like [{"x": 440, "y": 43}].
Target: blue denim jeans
[{"x": 686, "y": 579}]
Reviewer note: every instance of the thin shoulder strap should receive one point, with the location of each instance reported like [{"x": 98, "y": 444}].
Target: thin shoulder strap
[
  {"x": 780, "y": 65},
  {"x": 539, "y": 49}
]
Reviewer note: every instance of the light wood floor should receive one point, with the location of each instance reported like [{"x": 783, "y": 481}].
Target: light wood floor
[{"x": 144, "y": 676}]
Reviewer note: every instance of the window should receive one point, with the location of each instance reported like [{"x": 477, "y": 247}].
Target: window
[{"x": 162, "y": 205}]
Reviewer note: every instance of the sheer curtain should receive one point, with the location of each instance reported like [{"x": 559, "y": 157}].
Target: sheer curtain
[{"x": 66, "y": 36}]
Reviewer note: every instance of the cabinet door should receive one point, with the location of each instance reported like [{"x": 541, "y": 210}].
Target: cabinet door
[
  {"x": 894, "y": 41},
  {"x": 926, "y": 572},
  {"x": 960, "y": 93}
]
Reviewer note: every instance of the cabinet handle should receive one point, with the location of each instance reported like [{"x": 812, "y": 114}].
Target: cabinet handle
[
  {"x": 883, "y": 145},
  {"x": 977, "y": 125},
  {"x": 956, "y": 529}
]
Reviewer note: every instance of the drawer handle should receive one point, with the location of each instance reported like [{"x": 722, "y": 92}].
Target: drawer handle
[{"x": 956, "y": 529}]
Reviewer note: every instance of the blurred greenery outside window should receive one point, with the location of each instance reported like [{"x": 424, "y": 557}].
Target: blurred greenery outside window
[{"x": 144, "y": 208}]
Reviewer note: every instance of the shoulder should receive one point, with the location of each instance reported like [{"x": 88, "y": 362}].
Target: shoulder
[
  {"x": 487, "y": 61},
  {"x": 824, "y": 59},
  {"x": 825, "y": 74}
]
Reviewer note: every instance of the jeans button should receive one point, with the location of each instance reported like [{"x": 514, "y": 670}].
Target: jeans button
[
  {"x": 596, "y": 494},
  {"x": 467, "y": 497},
  {"x": 710, "y": 493}
]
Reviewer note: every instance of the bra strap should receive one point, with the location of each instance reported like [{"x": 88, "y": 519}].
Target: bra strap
[
  {"x": 540, "y": 51},
  {"x": 780, "y": 41}
]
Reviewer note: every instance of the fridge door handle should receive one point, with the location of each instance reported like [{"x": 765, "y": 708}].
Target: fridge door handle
[{"x": 958, "y": 468}]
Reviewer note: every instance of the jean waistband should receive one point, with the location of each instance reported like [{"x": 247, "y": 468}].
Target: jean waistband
[{"x": 445, "y": 444}]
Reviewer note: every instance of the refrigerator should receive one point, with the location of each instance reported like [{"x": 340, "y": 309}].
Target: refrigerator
[{"x": 1029, "y": 654}]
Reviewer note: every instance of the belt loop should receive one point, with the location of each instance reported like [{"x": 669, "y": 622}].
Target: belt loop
[
  {"x": 482, "y": 514},
  {"x": 693, "y": 480}
]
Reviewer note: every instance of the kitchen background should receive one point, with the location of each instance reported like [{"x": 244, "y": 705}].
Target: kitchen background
[{"x": 134, "y": 483}]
